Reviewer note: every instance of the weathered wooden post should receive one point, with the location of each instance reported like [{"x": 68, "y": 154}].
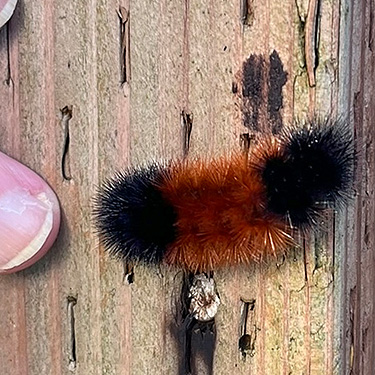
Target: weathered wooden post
[{"x": 88, "y": 87}]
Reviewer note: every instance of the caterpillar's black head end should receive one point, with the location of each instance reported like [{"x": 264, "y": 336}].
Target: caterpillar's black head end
[
  {"x": 314, "y": 167},
  {"x": 323, "y": 155},
  {"x": 134, "y": 220}
]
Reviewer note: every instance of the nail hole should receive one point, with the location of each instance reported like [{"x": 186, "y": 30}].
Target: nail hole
[{"x": 72, "y": 355}]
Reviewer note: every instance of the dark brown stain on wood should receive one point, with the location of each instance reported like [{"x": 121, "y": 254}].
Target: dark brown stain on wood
[
  {"x": 253, "y": 78},
  {"x": 262, "y": 96},
  {"x": 277, "y": 79}
]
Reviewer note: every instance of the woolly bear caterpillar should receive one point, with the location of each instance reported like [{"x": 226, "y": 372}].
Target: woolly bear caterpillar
[{"x": 201, "y": 215}]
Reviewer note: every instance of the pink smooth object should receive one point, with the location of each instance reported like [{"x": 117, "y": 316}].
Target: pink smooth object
[
  {"x": 2, "y": 3},
  {"x": 29, "y": 216},
  {"x": 6, "y": 10}
]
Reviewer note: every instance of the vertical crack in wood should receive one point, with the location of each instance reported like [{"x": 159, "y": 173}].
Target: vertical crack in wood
[
  {"x": 124, "y": 15},
  {"x": 128, "y": 272},
  {"x": 66, "y": 115},
  {"x": 359, "y": 118},
  {"x": 333, "y": 267},
  {"x": 246, "y": 343},
  {"x": 305, "y": 260},
  {"x": 187, "y": 127},
  {"x": 318, "y": 239},
  {"x": 185, "y": 56},
  {"x": 72, "y": 355},
  {"x": 245, "y": 141},
  {"x": 188, "y": 325},
  {"x": 8, "y": 80},
  {"x": 312, "y": 40},
  {"x": 243, "y": 11},
  {"x": 301, "y": 42},
  {"x": 186, "y": 118},
  {"x": 198, "y": 338},
  {"x": 371, "y": 27},
  {"x": 352, "y": 332},
  {"x": 246, "y": 12}
]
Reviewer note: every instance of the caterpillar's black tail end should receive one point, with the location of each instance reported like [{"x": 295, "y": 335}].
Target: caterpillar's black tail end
[
  {"x": 133, "y": 218},
  {"x": 315, "y": 166}
]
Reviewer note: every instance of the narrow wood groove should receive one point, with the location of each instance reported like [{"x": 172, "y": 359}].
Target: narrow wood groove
[
  {"x": 128, "y": 272},
  {"x": 371, "y": 27},
  {"x": 248, "y": 329},
  {"x": 312, "y": 40},
  {"x": 198, "y": 337},
  {"x": 246, "y": 12},
  {"x": 187, "y": 127},
  {"x": 72, "y": 355},
  {"x": 124, "y": 15},
  {"x": 355, "y": 293},
  {"x": 243, "y": 11},
  {"x": 66, "y": 115},
  {"x": 185, "y": 56},
  {"x": 8, "y": 79},
  {"x": 245, "y": 141},
  {"x": 305, "y": 261}
]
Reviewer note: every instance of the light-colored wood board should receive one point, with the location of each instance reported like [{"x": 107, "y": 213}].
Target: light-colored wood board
[
  {"x": 113, "y": 154},
  {"x": 184, "y": 56}
]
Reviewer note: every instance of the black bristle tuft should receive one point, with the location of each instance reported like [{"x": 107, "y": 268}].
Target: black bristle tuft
[
  {"x": 285, "y": 193},
  {"x": 315, "y": 166},
  {"x": 133, "y": 218}
]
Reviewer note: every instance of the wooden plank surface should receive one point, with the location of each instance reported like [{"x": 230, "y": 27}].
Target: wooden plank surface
[
  {"x": 359, "y": 245},
  {"x": 126, "y": 83}
]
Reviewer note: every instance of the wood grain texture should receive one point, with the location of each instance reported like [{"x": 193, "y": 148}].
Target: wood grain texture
[
  {"x": 358, "y": 255},
  {"x": 314, "y": 309}
]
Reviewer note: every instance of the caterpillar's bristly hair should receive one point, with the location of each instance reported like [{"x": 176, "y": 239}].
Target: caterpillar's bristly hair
[
  {"x": 325, "y": 152},
  {"x": 204, "y": 214},
  {"x": 313, "y": 166},
  {"x": 133, "y": 218},
  {"x": 221, "y": 215}
]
